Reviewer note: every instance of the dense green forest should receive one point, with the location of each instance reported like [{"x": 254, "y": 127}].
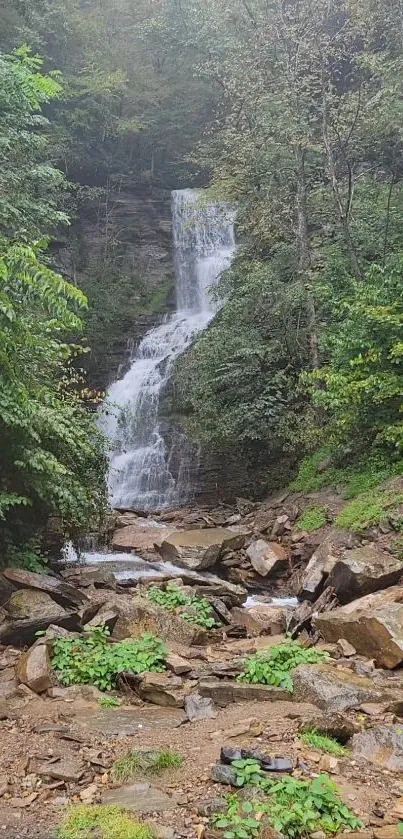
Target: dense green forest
[{"x": 292, "y": 111}]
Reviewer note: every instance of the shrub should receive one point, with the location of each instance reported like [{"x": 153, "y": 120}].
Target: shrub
[
  {"x": 200, "y": 612},
  {"x": 104, "y": 822},
  {"x": 313, "y": 519},
  {"x": 274, "y": 666},
  {"x": 92, "y": 660}
]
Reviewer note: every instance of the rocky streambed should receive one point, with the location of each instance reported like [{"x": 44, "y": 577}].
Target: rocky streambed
[{"x": 61, "y": 743}]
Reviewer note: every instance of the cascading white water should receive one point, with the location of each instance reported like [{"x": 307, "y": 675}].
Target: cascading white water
[{"x": 140, "y": 475}]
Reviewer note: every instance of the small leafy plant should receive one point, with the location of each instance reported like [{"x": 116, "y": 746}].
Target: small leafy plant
[
  {"x": 323, "y": 743},
  {"x": 93, "y": 660},
  {"x": 109, "y": 702},
  {"x": 293, "y": 808},
  {"x": 247, "y": 772},
  {"x": 193, "y": 609},
  {"x": 313, "y": 519},
  {"x": 112, "y": 822},
  {"x": 239, "y": 822},
  {"x": 275, "y": 666},
  {"x": 129, "y": 765}
]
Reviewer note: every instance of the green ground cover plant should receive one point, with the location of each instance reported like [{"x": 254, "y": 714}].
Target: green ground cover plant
[
  {"x": 313, "y": 519},
  {"x": 133, "y": 762},
  {"x": 85, "y": 821},
  {"x": 323, "y": 743},
  {"x": 92, "y": 659},
  {"x": 274, "y": 666},
  {"x": 193, "y": 609},
  {"x": 293, "y": 808}
]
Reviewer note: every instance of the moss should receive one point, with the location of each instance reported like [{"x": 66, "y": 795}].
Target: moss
[
  {"x": 313, "y": 519},
  {"x": 85, "y": 821}
]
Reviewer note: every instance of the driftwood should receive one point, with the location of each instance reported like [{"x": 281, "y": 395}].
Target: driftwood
[{"x": 302, "y": 617}]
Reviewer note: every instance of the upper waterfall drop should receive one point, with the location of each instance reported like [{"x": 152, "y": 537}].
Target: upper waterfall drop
[{"x": 140, "y": 476}]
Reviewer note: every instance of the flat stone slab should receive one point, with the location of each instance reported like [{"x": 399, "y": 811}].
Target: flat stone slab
[
  {"x": 225, "y": 692},
  {"x": 140, "y": 797},
  {"x": 113, "y": 722}
]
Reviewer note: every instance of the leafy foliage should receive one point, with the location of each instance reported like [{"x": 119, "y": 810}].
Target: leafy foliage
[
  {"x": 112, "y": 822},
  {"x": 94, "y": 660},
  {"x": 239, "y": 821},
  {"x": 323, "y": 743},
  {"x": 275, "y": 666},
  {"x": 313, "y": 519},
  {"x": 109, "y": 702},
  {"x": 30, "y": 186},
  {"x": 293, "y": 808},
  {"x": 52, "y": 459},
  {"x": 191, "y": 608},
  {"x": 134, "y": 762}
]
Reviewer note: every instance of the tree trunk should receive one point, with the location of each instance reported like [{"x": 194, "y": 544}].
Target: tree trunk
[
  {"x": 343, "y": 212},
  {"x": 305, "y": 257}
]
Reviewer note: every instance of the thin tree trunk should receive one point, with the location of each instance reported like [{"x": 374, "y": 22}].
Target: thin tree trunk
[
  {"x": 305, "y": 257},
  {"x": 342, "y": 210}
]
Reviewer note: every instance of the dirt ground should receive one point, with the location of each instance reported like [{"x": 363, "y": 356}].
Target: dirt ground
[{"x": 100, "y": 735}]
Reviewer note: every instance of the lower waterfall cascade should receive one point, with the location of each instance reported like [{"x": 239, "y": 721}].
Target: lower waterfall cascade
[{"x": 140, "y": 476}]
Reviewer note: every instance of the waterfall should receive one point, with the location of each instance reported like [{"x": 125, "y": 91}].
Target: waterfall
[{"x": 140, "y": 476}]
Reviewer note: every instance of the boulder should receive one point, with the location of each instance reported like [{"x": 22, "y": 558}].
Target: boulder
[
  {"x": 223, "y": 614},
  {"x": 60, "y": 591},
  {"x": 34, "y": 669},
  {"x": 139, "y": 537},
  {"x": 333, "y": 725},
  {"x": 334, "y": 689},
  {"x": 261, "y": 619},
  {"x": 208, "y": 585},
  {"x": 177, "y": 664},
  {"x": 64, "y": 769},
  {"x": 126, "y": 519},
  {"x": 138, "y": 615},
  {"x": 224, "y": 692},
  {"x": 200, "y": 549},
  {"x": 23, "y": 633},
  {"x": 31, "y": 604},
  {"x": 362, "y": 571},
  {"x": 199, "y": 708},
  {"x": 382, "y": 746},
  {"x": 322, "y": 562},
  {"x": 267, "y": 558},
  {"x": 373, "y": 625},
  {"x": 163, "y": 689}
]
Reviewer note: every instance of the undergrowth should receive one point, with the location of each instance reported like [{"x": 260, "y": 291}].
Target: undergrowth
[
  {"x": 134, "y": 762},
  {"x": 274, "y": 666},
  {"x": 85, "y": 821},
  {"x": 313, "y": 519},
  {"x": 363, "y": 485},
  {"x": 193, "y": 609},
  {"x": 293, "y": 808},
  {"x": 369, "y": 509},
  {"x": 93, "y": 660},
  {"x": 323, "y": 743},
  {"x": 317, "y": 472}
]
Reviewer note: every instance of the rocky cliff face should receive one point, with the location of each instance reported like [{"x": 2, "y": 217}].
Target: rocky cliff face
[{"x": 119, "y": 251}]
